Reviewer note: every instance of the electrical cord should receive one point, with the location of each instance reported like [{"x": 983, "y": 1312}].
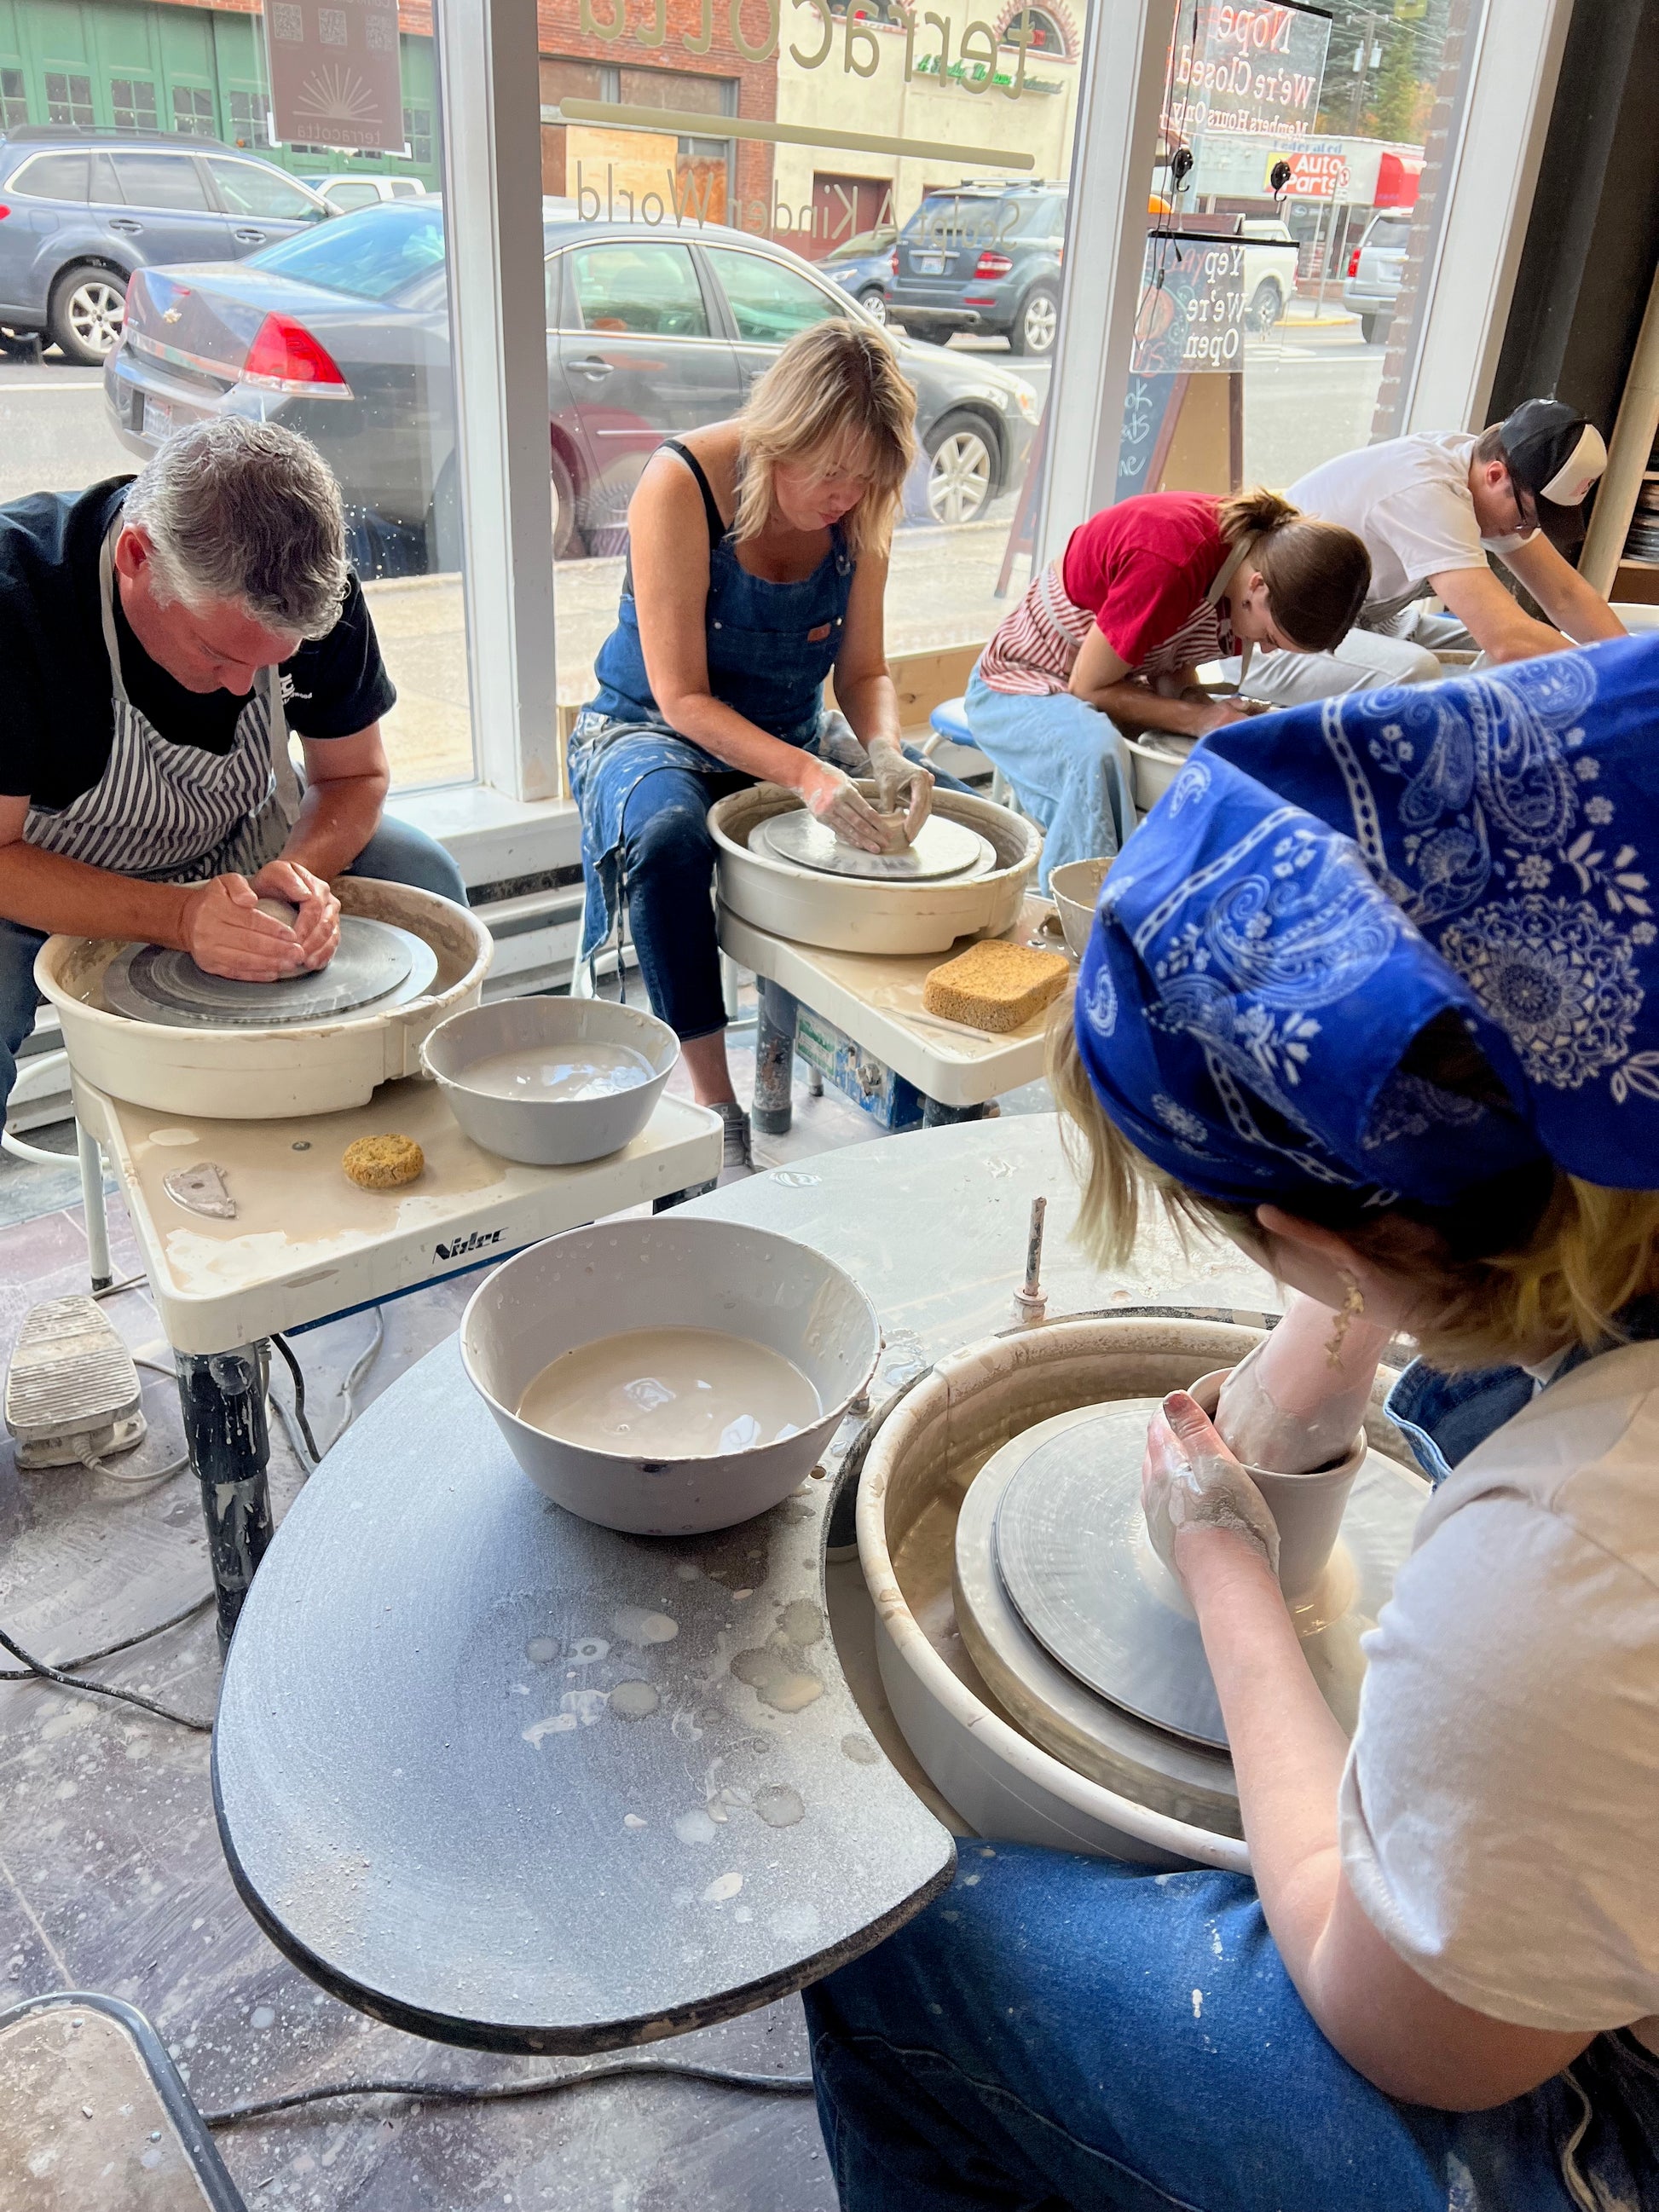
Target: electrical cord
[
  {"x": 484, "y": 2092},
  {"x": 304, "y": 1445},
  {"x": 39, "y": 1669},
  {"x": 295, "y": 1370}
]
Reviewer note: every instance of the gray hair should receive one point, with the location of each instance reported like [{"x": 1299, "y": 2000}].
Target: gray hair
[{"x": 248, "y": 512}]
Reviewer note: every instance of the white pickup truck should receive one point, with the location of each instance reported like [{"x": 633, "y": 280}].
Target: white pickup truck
[{"x": 1270, "y": 258}]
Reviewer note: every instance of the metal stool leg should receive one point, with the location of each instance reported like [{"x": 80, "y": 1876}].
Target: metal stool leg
[
  {"x": 937, "y": 1116},
  {"x": 774, "y": 1060},
  {"x": 222, "y": 1397},
  {"x": 92, "y": 1201}
]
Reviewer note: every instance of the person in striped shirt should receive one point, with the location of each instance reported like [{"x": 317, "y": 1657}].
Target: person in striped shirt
[{"x": 1109, "y": 640}]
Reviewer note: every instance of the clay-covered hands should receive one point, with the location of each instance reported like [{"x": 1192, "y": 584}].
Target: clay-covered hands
[
  {"x": 1190, "y": 1480},
  {"x": 901, "y": 783},
  {"x": 224, "y": 931},
  {"x": 317, "y": 924},
  {"x": 1290, "y": 1405},
  {"x": 832, "y": 798}
]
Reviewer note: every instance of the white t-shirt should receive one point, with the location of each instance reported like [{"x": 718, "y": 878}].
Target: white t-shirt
[
  {"x": 1500, "y": 1807},
  {"x": 1409, "y": 499}
]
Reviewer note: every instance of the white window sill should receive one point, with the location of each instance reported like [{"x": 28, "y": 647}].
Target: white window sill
[{"x": 494, "y": 838}]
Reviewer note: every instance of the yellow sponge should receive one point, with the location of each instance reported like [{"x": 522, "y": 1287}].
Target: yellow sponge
[{"x": 995, "y": 984}]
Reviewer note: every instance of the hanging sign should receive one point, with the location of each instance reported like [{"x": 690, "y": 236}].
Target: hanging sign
[
  {"x": 1252, "y": 69},
  {"x": 336, "y": 74},
  {"x": 1191, "y": 315}
]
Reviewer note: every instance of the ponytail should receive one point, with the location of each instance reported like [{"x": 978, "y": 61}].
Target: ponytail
[
  {"x": 1251, "y": 514},
  {"x": 1318, "y": 574}
]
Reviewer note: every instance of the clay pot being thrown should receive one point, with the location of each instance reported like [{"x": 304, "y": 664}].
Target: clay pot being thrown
[{"x": 1308, "y": 1509}]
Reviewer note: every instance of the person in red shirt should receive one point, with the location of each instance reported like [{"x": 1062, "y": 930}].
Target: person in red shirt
[{"x": 1109, "y": 638}]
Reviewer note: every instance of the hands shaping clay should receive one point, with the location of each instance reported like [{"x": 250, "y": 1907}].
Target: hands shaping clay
[{"x": 1190, "y": 1480}]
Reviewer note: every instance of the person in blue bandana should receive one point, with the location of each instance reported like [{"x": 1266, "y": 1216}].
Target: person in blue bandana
[
  {"x": 757, "y": 566},
  {"x": 1375, "y": 991}
]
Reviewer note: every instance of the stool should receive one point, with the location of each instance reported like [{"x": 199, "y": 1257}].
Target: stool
[{"x": 950, "y": 724}]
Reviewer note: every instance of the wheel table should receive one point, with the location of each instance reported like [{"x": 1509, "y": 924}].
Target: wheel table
[
  {"x": 435, "y": 1791},
  {"x": 876, "y": 999},
  {"x": 305, "y": 1246}
]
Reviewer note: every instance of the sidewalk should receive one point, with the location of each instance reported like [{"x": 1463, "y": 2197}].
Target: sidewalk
[{"x": 941, "y": 591}]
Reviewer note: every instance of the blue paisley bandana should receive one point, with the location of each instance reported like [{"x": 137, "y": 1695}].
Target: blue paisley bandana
[{"x": 1319, "y": 886}]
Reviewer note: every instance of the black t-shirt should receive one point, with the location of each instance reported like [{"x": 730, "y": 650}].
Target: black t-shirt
[{"x": 58, "y": 720}]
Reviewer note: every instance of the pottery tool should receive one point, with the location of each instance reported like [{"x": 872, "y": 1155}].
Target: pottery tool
[
  {"x": 995, "y": 984},
  {"x": 1030, "y": 1299}
]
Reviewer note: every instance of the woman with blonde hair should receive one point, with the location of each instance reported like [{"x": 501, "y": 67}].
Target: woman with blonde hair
[
  {"x": 1109, "y": 641},
  {"x": 757, "y": 564},
  {"x": 1375, "y": 991}
]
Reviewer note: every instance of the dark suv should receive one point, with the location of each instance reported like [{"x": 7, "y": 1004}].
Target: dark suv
[
  {"x": 81, "y": 209},
  {"x": 982, "y": 257}
]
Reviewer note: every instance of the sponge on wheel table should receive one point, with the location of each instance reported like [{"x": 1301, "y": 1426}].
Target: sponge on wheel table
[{"x": 995, "y": 984}]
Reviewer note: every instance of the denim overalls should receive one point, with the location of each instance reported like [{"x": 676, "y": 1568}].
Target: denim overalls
[{"x": 644, "y": 791}]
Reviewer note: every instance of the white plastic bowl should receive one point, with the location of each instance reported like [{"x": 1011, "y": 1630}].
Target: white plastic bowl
[
  {"x": 549, "y": 1133},
  {"x": 668, "y": 1273}
]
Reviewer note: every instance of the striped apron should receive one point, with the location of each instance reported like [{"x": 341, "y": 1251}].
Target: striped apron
[{"x": 171, "y": 813}]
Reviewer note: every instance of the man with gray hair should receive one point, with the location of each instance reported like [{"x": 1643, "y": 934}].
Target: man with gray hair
[{"x": 159, "y": 637}]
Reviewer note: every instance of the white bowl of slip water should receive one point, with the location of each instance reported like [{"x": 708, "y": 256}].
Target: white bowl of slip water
[
  {"x": 666, "y": 1377},
  {"x": 552, "y": 1081}
]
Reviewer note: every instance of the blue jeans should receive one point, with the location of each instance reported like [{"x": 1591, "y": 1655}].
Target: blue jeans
[
  {"x": 398, "y": 852},
  {"x": 1059, "y": 2032},
  {"x": 1067, "y": 763}
]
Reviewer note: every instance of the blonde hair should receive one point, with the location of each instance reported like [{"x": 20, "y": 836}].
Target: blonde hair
[
  {"x": 837, "y": 386},
  {"x": 1318, "y": 574},
  {"x": 1581, "y": 1254}
]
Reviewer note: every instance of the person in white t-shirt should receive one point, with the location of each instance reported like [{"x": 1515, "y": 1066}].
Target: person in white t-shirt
[
  {"x": 1431, "y": 508},
  {"x": 1374, "y": 990}
]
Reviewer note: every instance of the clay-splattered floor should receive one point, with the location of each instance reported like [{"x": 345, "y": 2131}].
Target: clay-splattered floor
[{"x": 111, "y": 1878}]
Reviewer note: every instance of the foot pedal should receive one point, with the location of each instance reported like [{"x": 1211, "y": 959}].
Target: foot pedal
[{"x": 72, "y": 1393}]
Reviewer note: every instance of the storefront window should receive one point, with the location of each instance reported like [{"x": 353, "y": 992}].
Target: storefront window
[
  {"x": 330, "y": 314},
  {"x": 1311, "y": 135},
  {"x": 951, "y": 230}
]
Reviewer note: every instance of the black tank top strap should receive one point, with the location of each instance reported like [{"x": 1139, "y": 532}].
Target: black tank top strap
[{"x": 710, "y": 506}]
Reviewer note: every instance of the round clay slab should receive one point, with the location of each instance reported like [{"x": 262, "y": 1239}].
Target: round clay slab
[
  {"x": 378, "y": 964},
  {"x": 1071, "y": 1550},
  {"x": 942, "y": 848}
]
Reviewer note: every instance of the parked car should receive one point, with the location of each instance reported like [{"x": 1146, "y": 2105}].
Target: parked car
[
  {"x": 982, "y": 257},
  {"x": 346, "y": 192},
  {"x": 651, "y": 330},
  {"x": 861, "y": 266},
  {"x": 1270, "y": 263},
  {"x": 1374, "y": 268},
  {"x": 80, "y": 210}
]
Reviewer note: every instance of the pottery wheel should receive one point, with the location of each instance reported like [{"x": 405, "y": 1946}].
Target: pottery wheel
[
  {"x": 1069, "y": 1548},
  {"x": 942, "y": 849},
  {"x": 377, "y": 966}
]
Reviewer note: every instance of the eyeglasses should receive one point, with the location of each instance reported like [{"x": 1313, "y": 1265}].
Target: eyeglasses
[{"x": 1526, "y": 516}]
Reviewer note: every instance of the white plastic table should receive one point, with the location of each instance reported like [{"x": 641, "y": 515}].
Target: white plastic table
[
  {"x": 876, "y": 999},
  {"x": 306, "y": 1245}
]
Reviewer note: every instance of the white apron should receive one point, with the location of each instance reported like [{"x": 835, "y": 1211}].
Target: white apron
[{"x": 171, "y": 813}]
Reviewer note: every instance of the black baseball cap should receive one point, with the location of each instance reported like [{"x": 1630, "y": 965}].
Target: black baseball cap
[{"x": 1555, "y": 456}]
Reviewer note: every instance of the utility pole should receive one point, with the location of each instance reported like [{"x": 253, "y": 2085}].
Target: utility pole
[{"x": 1364, "y": 57}]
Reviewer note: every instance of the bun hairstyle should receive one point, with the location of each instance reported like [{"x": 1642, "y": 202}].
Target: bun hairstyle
[
  {"x": 1318, "y": 574},
  {"x": 835, "y": 393}
]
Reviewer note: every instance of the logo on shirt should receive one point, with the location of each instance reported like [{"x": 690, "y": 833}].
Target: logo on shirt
[{"x": 289, "y": 691}]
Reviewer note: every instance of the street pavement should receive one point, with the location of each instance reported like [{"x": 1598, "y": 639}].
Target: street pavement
[{"x": 1310, "y": 387}]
